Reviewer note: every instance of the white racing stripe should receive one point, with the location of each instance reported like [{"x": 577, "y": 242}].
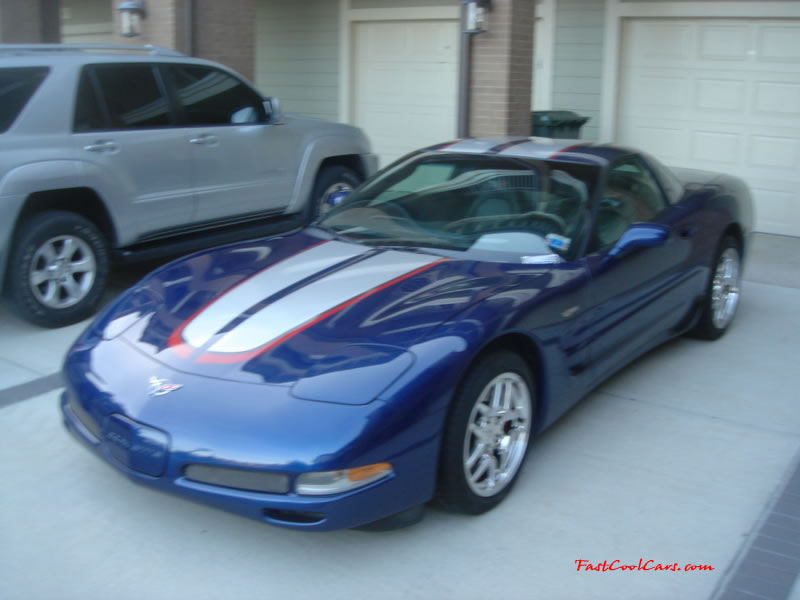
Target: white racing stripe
[
  {"x": 292, "y": 311},
  {"x": 263, "y": 285}
]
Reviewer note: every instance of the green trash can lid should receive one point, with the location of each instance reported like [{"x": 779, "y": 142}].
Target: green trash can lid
[{"x": 558, "y": 117}]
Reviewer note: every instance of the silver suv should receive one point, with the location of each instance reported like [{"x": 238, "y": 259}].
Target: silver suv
[{"x": 117, "y": 153}]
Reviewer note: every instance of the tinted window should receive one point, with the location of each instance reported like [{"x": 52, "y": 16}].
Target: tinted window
[
  {"x": 671, "y": 185},
  {"x": 17, "y": 85},
  {"x": 132, "y": 96},
  {"x": 631, "y": 195},
  {"x": 213, "y": 97},
  {"x": 88, "y": 112}
]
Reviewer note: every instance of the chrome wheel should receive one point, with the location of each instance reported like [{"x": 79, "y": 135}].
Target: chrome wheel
[
  {"x": 339, "y": 186},
  {"x": 497, "y": 434},
  {"x": 62, "y": 271},
  {"x": 725, "y": 288}
]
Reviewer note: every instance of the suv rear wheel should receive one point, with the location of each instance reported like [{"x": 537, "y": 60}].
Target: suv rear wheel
[{"x": 58, "y": 270}]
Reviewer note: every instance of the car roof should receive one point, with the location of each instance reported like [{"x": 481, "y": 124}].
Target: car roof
[{"x": 536, "y": 148}]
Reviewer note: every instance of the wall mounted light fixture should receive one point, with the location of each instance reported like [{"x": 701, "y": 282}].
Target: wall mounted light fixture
[
  {"x": 476, "y": 11},
  {"x": 131, "y": 13}
]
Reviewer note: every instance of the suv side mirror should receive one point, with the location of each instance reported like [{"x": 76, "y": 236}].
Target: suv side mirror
[
  {"x": 640, "y": 235},
  {"x": 273, "y": 107}
]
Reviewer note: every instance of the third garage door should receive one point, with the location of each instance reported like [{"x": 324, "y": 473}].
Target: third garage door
[{"x": 721, "y": 95}]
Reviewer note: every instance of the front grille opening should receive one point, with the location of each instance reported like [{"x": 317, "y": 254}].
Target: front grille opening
[
  {"x": 294, "y": 516},
  {"x": 241, "y": 479}
]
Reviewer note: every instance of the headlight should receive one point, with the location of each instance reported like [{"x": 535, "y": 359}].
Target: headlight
[{"x": 335, "y": 482}]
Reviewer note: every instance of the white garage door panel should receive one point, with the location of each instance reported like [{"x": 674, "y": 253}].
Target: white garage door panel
[
  {"x": 720, "y": 95},
  {"x": 405, "y": 76}
]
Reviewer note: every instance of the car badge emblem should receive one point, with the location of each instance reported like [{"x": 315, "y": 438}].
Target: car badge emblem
[{"x": 161, "y": 387}]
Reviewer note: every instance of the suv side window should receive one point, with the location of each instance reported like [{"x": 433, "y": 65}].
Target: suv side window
[
  {"x": 17, "y": 85},
  {"x": 89, "y": 114},
  {"x": 133, "y": 96},
  {"x": 212, "y": 97},
  {"x": 631, "y": 195}
]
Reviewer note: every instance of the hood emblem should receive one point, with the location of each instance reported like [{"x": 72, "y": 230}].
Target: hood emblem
[{"x": 161, "y": 387}]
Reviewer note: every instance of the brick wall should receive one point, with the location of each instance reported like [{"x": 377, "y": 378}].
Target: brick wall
[
  {"x": 225, "y": 32},
  {"x": 21, "y": 21},
  {"x": 502, "y": 65}
]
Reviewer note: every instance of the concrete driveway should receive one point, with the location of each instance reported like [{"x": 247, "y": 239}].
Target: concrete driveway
[{"x": 689, "y": 456}]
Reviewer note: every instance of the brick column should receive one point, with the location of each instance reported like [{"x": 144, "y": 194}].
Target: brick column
[
  {"x": 28, "y": 21},
  {"x": 502, "y": 65},
  {"x": 225, "y": 32}
]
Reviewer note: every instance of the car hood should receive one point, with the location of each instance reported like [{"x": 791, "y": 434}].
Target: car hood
[{"x": 283, "y": 310}]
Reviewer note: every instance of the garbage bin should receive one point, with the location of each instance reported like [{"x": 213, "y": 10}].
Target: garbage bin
[{"x": 563, "y": 124}]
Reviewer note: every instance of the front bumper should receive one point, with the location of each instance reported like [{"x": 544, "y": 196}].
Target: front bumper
[
  {"x": 383, "y": 498},
  {"x": 153, "y": 439}
]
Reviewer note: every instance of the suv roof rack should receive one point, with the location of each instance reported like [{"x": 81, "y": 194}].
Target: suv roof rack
[{"x": 147, "y": 49}]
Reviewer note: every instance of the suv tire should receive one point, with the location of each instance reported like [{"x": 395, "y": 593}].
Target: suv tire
[{"x": 58, "y": 270}]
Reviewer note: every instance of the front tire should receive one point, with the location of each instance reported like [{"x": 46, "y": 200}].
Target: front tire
[
  {"x": 58, "y": 269},
  {"x": 722, "y": 293},
  {"x": 329, "y": 180},
  {"x": 487, "y": 434}
]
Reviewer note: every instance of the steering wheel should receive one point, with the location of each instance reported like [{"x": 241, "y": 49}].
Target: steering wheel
[
  {"x": 549, "y": 218},
  {"x": 555, "y": 224}
]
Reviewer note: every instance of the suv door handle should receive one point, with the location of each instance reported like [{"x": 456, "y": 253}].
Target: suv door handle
[
  {"x": 103, "y": 147},
  {"x": 204, "y": 140}
]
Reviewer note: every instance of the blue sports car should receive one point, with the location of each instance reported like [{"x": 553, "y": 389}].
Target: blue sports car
[{"x": 409, "y": 344}]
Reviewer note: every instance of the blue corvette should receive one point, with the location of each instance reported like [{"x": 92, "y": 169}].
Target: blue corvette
[{"x": 411, "y": 343}]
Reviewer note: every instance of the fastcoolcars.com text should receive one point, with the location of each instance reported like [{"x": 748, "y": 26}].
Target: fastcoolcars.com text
[{"x": 642, "y": 565}]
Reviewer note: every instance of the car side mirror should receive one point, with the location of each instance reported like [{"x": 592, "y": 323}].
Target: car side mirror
[
  {"x": 640, "y": 235},
  {"x": 273, "y": 107}
]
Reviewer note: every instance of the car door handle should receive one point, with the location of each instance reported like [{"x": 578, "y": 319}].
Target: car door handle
[
  {"x": 688, "y": 232},
  {"x": 102, "y": 147},
  {"x": 204, "y": 140}
]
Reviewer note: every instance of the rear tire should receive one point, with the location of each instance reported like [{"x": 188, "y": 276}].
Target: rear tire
[
  {"x": 330, "y": 179},
  {"x": 58, "y": 269},
  {"x": 722, "y": 293},
  {"x": 487, "y": 434}
]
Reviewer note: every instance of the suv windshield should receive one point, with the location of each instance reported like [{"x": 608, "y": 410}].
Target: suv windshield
[
  {"x": 494, "y": 208},
  {"x": 17, "y": 85}
]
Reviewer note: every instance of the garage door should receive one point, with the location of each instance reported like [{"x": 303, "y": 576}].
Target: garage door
[
  {"x": 721, "y": 95},
  {"x": 405, "y": 84}
]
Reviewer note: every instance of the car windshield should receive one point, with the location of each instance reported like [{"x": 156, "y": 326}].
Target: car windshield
[
  {"x": 492, "y": 208},
  {"x": 17, "y": 85}
]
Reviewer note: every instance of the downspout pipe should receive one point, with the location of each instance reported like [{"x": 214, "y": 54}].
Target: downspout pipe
[
  {"x": 464, "y": 70},
  {"x": 188, "y": 27}
]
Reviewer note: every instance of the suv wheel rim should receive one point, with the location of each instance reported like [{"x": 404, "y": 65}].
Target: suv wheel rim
[
  {"x": 339, "y": 186},
  {"x": 497, "y": 434},
  {"x": 725, "y": 289},
  {"x": 62, "y": 271}
]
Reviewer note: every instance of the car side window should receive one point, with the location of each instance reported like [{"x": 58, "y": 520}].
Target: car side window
[
  {"x": 132, "y": 96},
  {"x": 212, "y": 97},
  {"x": 631, "y": 195}
]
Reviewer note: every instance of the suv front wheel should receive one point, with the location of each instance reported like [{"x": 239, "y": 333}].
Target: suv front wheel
[
  {"x": 330, "y": 180},
  {"x": 58, "y": 271}
]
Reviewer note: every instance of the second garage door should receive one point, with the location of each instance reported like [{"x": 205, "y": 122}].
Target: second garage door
[
  {"x": 405, "y": 84},
  {"x": 721, "y": 95}
]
